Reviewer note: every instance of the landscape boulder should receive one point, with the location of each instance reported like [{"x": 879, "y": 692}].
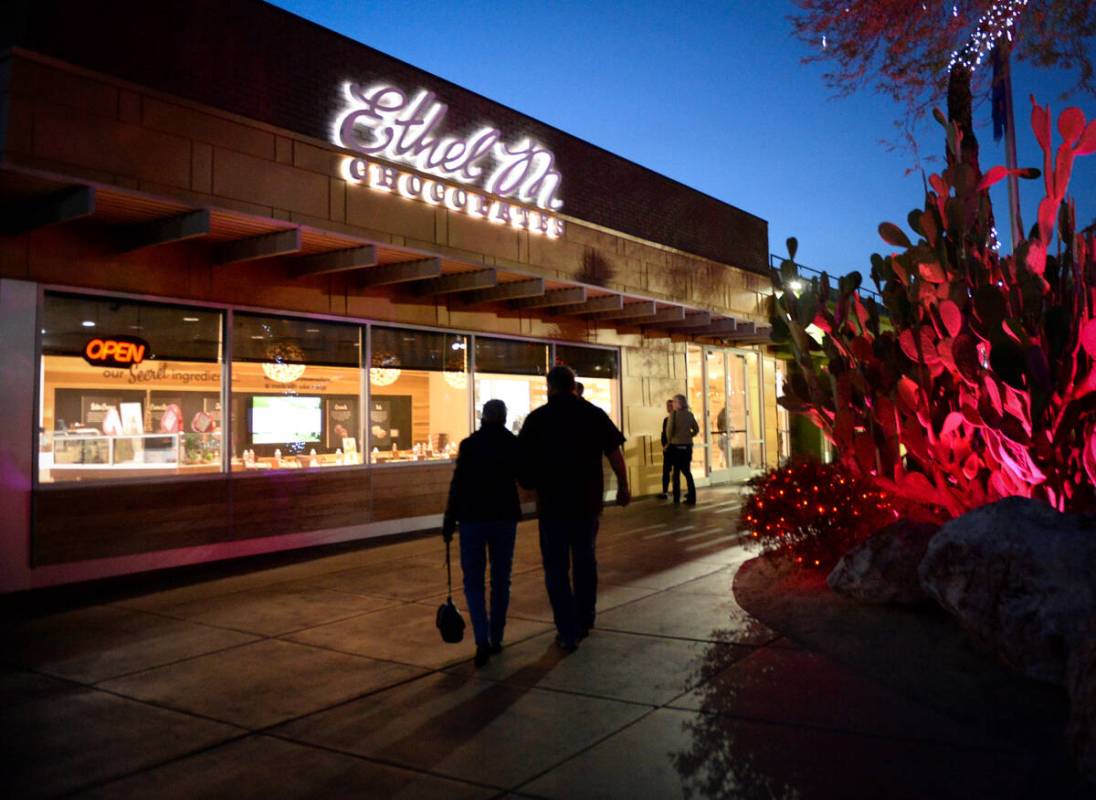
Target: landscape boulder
[
  {"x": 1020, "y": 577},
  {"x": 883, "y": 568}
]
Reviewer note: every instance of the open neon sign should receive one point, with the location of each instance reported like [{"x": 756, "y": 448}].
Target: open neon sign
[
  {"x": 384, "y": 122},
  {"x": 119, "y": 351}
]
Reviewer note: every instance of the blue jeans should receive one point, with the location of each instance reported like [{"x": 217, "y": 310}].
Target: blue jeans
[
  {"x": 478, "y": 540},
  {"x": 682, "y": 461},
  {"x": 568, "y": 549}
]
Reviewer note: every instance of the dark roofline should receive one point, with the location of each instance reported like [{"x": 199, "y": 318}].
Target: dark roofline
[
  {"x": 265, "y": 63},
  {"x": 492, "y": 101}
]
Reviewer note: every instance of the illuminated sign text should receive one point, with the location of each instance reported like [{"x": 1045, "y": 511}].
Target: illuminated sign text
[
  {"x": 415, "y": 187},
  {"x": 119, "y": 351},
  {"x": 507, "y": 183},
  {"x": 385, "y": 122}
]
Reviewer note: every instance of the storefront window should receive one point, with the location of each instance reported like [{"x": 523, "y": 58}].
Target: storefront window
[
  {"x": 296, "y": 393},
  {"x": 598, "y": 371},
  {"x": 128, "y": 389},
  {"x": 418, "y": 404},
  {"x": 133, "y": 389},
  {"x": 511, "y": 371}
]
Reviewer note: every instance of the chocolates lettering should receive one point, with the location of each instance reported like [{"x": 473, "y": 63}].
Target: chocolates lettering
[{"x": 389, "y": 179}]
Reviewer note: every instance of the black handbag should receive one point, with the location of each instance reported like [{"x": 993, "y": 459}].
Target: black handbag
[{"x": 449, "y": 620}]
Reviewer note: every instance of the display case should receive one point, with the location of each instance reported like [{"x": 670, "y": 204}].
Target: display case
[{"x": 79, "y": 455}]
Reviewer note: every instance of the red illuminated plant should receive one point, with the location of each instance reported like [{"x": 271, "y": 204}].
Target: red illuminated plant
[
  {"x": 812, "y": 512},
  {"x": 977, "y": 382}
]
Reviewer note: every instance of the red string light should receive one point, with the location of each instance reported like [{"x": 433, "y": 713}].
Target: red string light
[{"x": 845, "y": 510}]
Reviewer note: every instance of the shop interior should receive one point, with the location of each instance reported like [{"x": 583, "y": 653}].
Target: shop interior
[{"x": 296, "y": 399}]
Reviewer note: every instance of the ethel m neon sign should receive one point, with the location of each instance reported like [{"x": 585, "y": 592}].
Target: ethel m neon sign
[{"x": 383, "y": 121}]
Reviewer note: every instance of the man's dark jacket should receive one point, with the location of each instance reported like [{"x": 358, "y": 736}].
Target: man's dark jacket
[
  {"x": 562, "y": 445},
  {"x": 484, "y": 486}
]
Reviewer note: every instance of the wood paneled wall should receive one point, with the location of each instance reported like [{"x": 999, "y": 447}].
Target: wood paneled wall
[{"x": 78, "y": 523}]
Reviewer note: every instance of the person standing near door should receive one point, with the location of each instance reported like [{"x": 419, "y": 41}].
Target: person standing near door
[
  {"x": 561, "y": 446},
  {"x": 683, "y": 428},
  {"x": 667, "y": 459},
  {"x": 723, "y": 428}
]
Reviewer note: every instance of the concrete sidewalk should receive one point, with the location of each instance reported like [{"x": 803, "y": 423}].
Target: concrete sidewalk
[{"x": 324, "y": 676}]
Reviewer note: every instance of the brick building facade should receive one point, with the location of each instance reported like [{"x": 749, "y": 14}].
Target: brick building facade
[{"x": 170, "y": 174}]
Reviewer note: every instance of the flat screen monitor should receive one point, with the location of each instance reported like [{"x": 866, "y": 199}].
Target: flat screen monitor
[{"x": 281, "y": 420}]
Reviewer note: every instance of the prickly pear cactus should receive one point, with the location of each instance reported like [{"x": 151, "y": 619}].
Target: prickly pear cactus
[{"x": 975, "y": 381}]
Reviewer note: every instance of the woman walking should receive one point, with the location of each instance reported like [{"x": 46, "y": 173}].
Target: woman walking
[
  {"x": 682, "y": 429},
  {"x": 483, "y": 501}
]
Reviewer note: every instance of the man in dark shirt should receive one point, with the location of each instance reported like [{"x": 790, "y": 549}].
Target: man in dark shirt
[
  {"x": 561, "y": 445},
  {"x": 483, "y": 499}
]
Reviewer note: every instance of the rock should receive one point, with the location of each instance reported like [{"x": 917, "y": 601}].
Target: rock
[
  {"x": 1081, "y": 682},
  {"x": 883, "y": 569},
  {"x": 1021, "y": 578}
]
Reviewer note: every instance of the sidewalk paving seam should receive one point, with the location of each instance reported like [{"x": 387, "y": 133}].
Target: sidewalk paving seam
[
  {"x": 765, "y": 643},
  {"x": 96, "y": 784},
  {"x": 382, "y": 761},
  {"x": 260, "y": 586},
  {"x": 585, "y": 750},
  {"x": 258, "y": 638},
  {"x": 553, "y": 689},
  {"x": 271, "y": 730},
  {"x": 333, "y": 620},
  {"x": 431, "y": 670},
  {"x": 154, "y": 704}
]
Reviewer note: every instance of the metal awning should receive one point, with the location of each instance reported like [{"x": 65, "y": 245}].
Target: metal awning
[{"x": 133, "y": 220}]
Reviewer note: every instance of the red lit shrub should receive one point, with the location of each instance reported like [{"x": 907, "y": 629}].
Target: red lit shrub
[
  {"x": 812, "y": 512},
  {"x": 977, "y": 383}
]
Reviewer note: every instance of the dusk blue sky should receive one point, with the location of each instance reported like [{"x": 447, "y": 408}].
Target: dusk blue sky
[{"x": 712, "y": 94}]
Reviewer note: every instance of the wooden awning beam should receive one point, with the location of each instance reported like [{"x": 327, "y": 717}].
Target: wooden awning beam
[
  {"x": 694, "y": 319},
  {"x": 401, "y": 272},
  {"x": 552, "y": 298},
  {"x": 643, "y": 308},
  {"x": 458, "y": 282},
  {"x": 59, "y": 207},
  {"x": 612, "y": 302},
  {"x": 268, "y": 245},
  {"x": 721, "y": 327},
  {"x": 666, "y": 315},
  {"x": 513, "y": 290},
  {"x": 179, "y": 228},
  {"x": 345, "y": 260}
]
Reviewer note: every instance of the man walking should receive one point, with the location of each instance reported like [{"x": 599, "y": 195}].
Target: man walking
[{"x": 561, "y": 445}]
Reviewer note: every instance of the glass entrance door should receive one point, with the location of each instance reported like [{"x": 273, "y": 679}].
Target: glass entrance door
[
  {"x": 754, "y": 428},
  {"x": 696, "y": 396},
  {"x": 725, "y": 392},
  {"x": 738, "y": 415},
  {"x": 715, "y": 412}
]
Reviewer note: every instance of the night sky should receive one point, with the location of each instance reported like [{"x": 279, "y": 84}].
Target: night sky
[{"x": 712, "y": 94}]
